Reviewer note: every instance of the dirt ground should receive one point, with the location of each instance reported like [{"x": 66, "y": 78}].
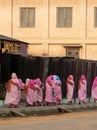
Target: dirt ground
[{"x": 37, "y": 119}]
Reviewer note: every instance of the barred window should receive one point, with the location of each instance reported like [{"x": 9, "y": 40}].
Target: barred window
[
  {"x": 27, "y": 17},
  {"x": 64, "y": 17},
  {"x": 72, "y": 52},
  {"x": 95, "y": 16}
]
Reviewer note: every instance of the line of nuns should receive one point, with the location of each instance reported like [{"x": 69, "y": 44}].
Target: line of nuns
[
  {"x": 49, "y": 93},
  {"x": 34, "y": 91}
]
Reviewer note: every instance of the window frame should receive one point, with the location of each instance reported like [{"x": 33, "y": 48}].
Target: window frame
[
  {"x": 73, "y": 50},
  {"x": 95, "y": 17},
  {"x": 65, "y": 14},
  {"x": 27, "y": 26}
]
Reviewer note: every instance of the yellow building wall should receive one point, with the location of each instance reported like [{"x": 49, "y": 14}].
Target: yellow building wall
[
  {"x": 45, "y": 38},
  {"x": 5, "y": 17},
  {"x": 91, "y": 31},
  {"x": 64, "y": 33},
  {"x": 56, "y": 50},
  {"x": 28, "y": 34},
  {"x": 91, "y": 51},
  {"x": 36, "y": 50}
]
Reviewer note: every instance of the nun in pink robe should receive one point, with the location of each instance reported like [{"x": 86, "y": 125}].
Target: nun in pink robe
[
  {"x": 59, "y": 92},
  {"x": 82, "y": 90},
  {"x": 31, "y": 93},
  {"x": 20, "y": 88},
  {"x": 48, "y": 90},
  {"x": 12, "y": 95},
  {"x": 70, "y": 88},
  {"x": 94, "y": 89},
  {"x": 35, "y": 91},
  {"x": 28, "y": 90},
  {"x": 56, "y": 87},
  {"x": 40, "y": 88}
]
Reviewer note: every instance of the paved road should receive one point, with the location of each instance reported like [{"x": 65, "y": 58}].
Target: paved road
[{"x": 68, "y": 121}]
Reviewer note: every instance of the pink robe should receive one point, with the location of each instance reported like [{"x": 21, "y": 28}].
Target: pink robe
[
  {"x": 30, "y": 93},
  {"x": 35, "y": 91},
  {"x": 39, "y": 91},
  {"x": 70, "y": 90},
  {"x": 56, "y": 87},
  {"x": 13, "y": 96},
  {"x": 40, "y": 95},
  {"x": 82, "y": 93},
  {"x": 94, "y": 89},
  {"x": 54, "y": 93},
  {"x": 48, "y": 90},
  {"x": 59, "y": 93},
  {"x": 48, "y": 94},
  {"x": 29, "y": 96},
  {"x": 20, "y": 88}
]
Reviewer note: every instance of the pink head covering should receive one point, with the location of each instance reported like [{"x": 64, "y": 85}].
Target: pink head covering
[
  {"x": 35, "y": 81},
  {"x": 50, "y": 79},
  {"x": 56, "y": 80},
  {"x": 13, "y": 76},
  {"x": 95, "y": 82},
  {"x": 54, "y": 77},
  {"x": 38, "y": 81},
  {"x": 31, "y": 83},
  {"x": 83, "y": 77},
  {"x": 70, "y": 77},
  {"x": 27, "y": 81}
]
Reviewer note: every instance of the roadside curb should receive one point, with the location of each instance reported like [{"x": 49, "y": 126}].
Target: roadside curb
[{"x": 48, "y": 110}]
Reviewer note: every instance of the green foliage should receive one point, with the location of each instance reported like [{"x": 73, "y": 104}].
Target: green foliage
[
  {"x": 2, "y": 98},
  {"x": 2, "y": 91},
  {"x": 2, "y": 87}
]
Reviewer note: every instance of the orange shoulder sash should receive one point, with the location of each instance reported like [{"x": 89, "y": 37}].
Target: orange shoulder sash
[{"x": 10, "y": 82}]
